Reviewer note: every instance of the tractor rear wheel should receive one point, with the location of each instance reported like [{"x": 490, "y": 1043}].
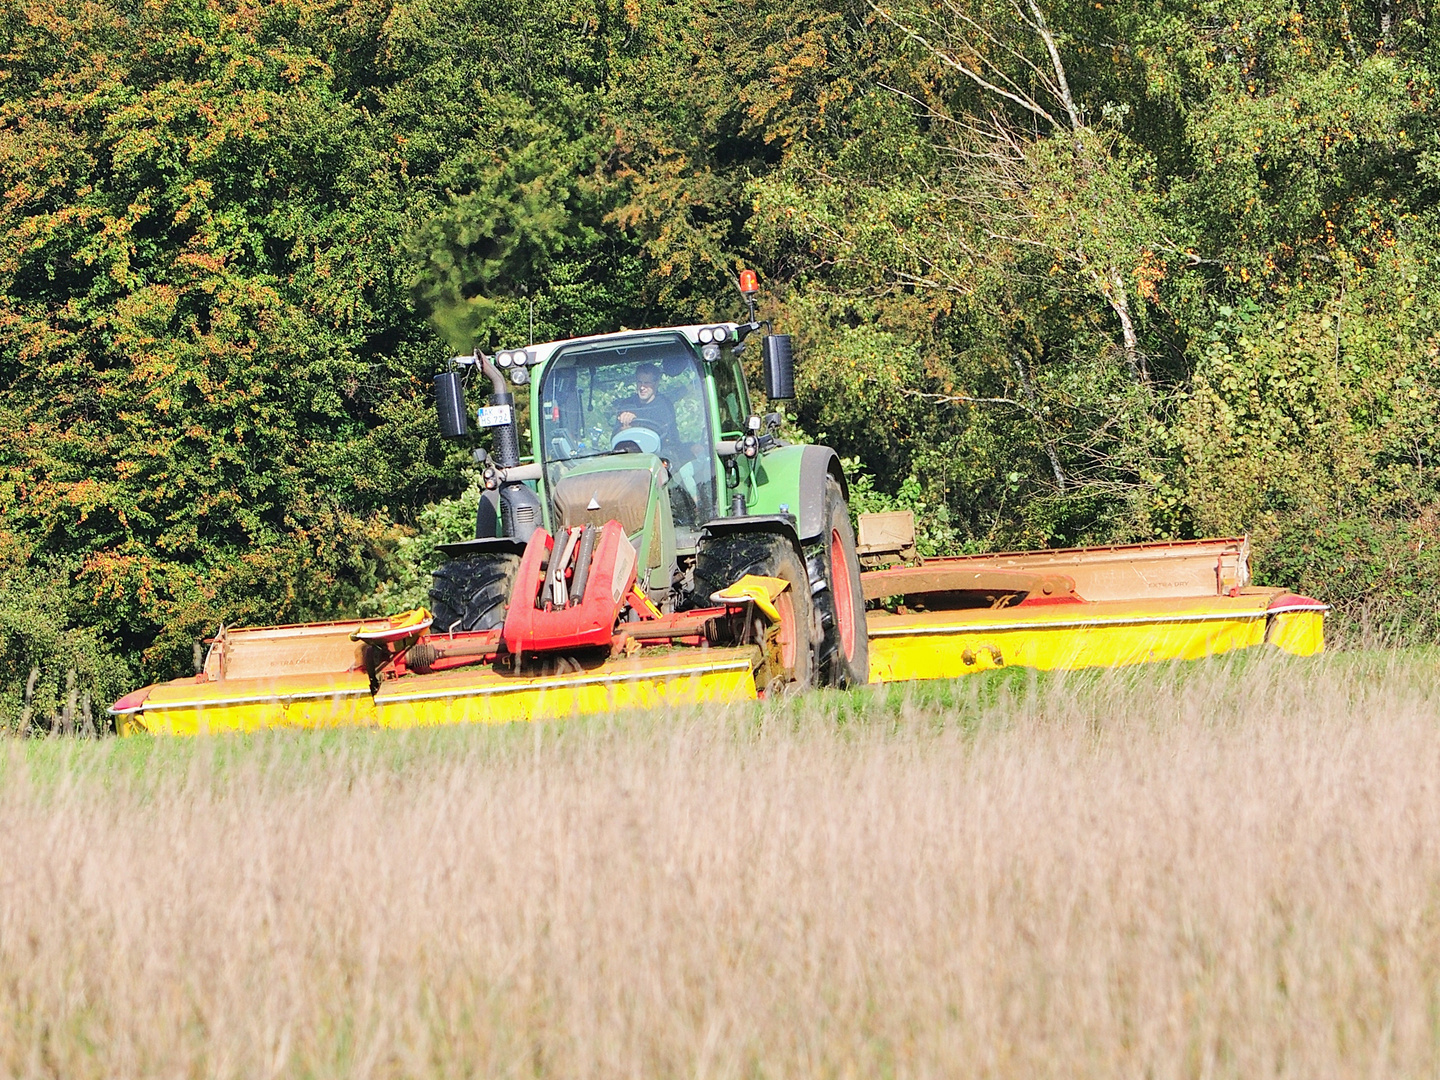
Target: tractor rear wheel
[
  {"x": 472, "y": 592},
  {"x": 725, "y": 559},
  {"x": 841, "y": 645}
]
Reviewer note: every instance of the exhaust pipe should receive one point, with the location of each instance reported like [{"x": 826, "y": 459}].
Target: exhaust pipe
[
  {"x": 519, "y": 506},
  {"x": 507, "y": 436}
]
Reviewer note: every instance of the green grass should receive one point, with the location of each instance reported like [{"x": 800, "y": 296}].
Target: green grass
[{"x": 964, "y": 704}]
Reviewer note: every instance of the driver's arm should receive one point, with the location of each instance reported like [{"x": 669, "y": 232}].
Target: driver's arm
[{"x": 625, "y": 415}]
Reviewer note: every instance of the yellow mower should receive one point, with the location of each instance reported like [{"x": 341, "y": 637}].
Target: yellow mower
[
  {"x": 1069, "y": 608},
  {"x": 664, "y": 545}
]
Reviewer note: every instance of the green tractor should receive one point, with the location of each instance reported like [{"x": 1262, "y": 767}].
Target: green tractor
[{"x": 655, "y": 429}]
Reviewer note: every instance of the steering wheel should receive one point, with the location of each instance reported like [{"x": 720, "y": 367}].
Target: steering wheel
[{"x": 642, "y": 435}]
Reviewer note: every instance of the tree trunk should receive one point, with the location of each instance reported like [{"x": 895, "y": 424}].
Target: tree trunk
[
  {"x": 1119, "y": 299},
  {"x": 1029, "y": 393}
]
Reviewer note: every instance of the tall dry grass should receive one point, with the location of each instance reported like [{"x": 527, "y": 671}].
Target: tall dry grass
[{"x": 1203, "y": 872}]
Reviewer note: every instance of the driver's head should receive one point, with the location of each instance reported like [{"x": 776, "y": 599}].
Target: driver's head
[{"x": 647, "y": 379}]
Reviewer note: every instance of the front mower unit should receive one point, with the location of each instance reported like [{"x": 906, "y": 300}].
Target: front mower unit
[
  {"x": 578, "y": 638},
  {"x": 570, "y": 590}
]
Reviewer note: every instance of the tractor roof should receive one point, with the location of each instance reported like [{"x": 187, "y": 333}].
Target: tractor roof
[{"x": 540, "y": 353}]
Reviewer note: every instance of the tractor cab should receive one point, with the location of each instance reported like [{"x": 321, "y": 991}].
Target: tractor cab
[
  {"x": 639, "y": 398},
  {"x": 642, "y": 427}
]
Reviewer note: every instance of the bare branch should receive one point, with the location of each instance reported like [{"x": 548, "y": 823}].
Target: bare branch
[
  {"x": 971, "y": 74},
  {"x": 965, "y": 399},
  {"x": 1045, "y": 80},
  {"x": 1063, "y": 84}
]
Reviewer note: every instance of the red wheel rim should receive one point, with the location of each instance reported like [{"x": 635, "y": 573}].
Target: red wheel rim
[
  {"x": 785, "y": 605},
  {"x": 842, "y": 589}
]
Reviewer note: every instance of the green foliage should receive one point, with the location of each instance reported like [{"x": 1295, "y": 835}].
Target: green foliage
[
  {"x": 1382, "y": 576},
  {"x": 934, "y": 533},
  {"x": 415, "y": 556},
  {"x": 1180, "y": 290},
  {"x": 520, "y": 209},
  {"x": 215, "y": 382},
  {"x": 42, "y": 650}
]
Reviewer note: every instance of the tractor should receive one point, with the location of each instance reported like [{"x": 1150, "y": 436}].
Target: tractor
[
  {"x": 663, "y": 545},
  {"x": 654, "y": 429}
]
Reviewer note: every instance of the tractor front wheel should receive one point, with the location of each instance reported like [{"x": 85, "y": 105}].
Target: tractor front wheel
[
  {"x": 725, "y": 559},
  {"x": 842, "y": 647},
  {"x": 472, "y": 592}
]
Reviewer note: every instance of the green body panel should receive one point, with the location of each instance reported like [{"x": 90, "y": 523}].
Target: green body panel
[{"x": 771, "y": 482}]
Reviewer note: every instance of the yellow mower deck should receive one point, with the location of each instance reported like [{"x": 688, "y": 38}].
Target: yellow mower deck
[
  {"x": 480, "y": 695},
  {"x": 464, "y": 695},
  {"x": 1107, "y": 633},
  {"x": 1072, "y": 607}
]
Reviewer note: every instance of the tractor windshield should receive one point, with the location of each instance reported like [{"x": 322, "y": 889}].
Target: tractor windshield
[{"x": 642, "y": 394}]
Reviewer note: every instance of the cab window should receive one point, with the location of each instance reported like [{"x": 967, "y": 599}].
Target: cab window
[
  {"x": 638, "y": 395},
  {"x": 730, "y": 395}
]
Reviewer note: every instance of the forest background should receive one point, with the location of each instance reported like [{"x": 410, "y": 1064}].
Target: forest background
[{"x": 1059, "y": 272}]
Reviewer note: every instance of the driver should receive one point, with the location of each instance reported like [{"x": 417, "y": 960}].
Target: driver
[{"x": 646, "y": 407}]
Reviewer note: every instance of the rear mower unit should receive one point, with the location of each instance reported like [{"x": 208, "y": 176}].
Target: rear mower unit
[{"x": 662, "y": 545}]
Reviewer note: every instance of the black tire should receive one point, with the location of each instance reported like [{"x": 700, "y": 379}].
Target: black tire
[
  {"x": 472, "y": 592},
  {"x": 725, "y": 559},
  {"x": 842, "y": 648}
]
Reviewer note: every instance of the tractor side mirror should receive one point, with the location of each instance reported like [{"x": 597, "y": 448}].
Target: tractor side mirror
[
  {"x": 779, "y": 360},
  {"x": 450, "y": 404}
]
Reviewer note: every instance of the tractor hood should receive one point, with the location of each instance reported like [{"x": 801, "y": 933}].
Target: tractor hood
[
  {"x": 592, "y": 491},
  {"x": 628, "y": 488}
]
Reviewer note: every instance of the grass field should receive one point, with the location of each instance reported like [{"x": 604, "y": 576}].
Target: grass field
[{"x": 1223, "y": 869}]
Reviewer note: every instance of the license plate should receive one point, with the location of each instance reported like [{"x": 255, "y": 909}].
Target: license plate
[{"x": 494, "y": 416}]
